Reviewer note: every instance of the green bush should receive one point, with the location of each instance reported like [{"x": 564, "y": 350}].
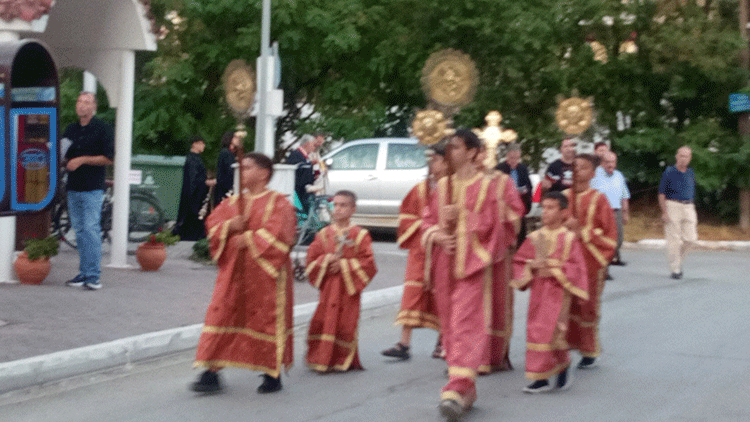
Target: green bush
[
  {"x": 201, "y": 252},
  {"x": 41, "y": 248}
]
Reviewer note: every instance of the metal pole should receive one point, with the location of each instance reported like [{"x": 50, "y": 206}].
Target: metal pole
[{"x": 265, "y": 47}]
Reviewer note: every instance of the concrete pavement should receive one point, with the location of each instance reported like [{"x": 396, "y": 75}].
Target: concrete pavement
[{"x": 673, "y": 350}]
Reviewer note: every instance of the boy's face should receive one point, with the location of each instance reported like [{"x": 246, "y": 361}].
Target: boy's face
[
  {"x": 551, "y": 212},
  {"x": 584, "y": 170},
  {"x": 343, "y": 208},
  {"x": 252, "y": 173},
  {"x": 438, "y": 165}
]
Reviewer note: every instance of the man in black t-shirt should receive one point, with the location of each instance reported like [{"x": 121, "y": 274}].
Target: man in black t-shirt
[
  {"x": 92, "y": 148},
  {"x": 559, "y": 174}
]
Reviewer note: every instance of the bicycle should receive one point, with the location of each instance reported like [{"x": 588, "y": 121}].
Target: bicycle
[
  {"x": 145, "y": 216},
  {"x": 308, "y": 224}
]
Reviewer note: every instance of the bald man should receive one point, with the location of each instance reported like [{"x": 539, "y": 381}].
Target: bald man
[
  {"x": 676, "y": 196},
  {"x": 610, "y": 181}
]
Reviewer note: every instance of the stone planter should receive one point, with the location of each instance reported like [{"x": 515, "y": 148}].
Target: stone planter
[
  {"x": 31, "y": 272},
  {"x": 151, "y": 256}
]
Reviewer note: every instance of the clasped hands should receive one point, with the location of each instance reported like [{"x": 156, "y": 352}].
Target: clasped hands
[{"x": 543, "y": 267}]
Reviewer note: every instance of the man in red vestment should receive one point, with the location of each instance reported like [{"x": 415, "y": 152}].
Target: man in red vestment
[
  {"x": 340, "y": 263},
  {"x": 462, "y": 225},
  {"x": 550, "y": 261},
  {"x": 249, "y": 320},
  {"x": 594, "y": 223},
  {"x": 498, "y": 295},
  {"x": 418, "y": 304}
]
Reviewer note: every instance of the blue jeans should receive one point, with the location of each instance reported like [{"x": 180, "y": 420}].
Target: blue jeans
[{"x": 85, "y": 210}]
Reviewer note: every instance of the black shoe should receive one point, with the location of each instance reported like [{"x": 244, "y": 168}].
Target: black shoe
[
  {"x": 587, "y": 363},
  {"x": 676, "y": 276},
  {"x": 608, "y": 277},
  {"x": 270, "y": 384},
  {"x": 538, "y": 386},
  {"x": 564, "y": 379},
  {"x": 208, "y": 382},
  {"x": 398, "y": 351},
  {"x": 450, "y": 410},
  {"x": 77, "y": 281},
  {"x": 619, "y": 263}
]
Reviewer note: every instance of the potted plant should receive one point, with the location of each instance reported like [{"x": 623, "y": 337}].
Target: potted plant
[
  {"x": 152, "y": 253},
  {"x": 32, "y": 265}
]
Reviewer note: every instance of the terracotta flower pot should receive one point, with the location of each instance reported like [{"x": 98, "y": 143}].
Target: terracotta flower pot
[
  {"x": 151, "y": 255},
  {"x": 31, "y": 272}
]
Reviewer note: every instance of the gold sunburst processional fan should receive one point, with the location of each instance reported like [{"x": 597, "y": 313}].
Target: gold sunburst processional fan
[
  {"x": 449, "y": 81},
  {"x": 430, "y": 127},
  {"x": 574, "y": 115},
  {"x": 239, "y": 87}
]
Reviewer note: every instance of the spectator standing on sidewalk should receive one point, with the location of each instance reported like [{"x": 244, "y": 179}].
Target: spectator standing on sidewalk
[
  {"x": 611, "y": 182},
  {"x": 92, "y": 148},
  {"x": 249, "y": 320},
  {"x": 304, "y": 176},
  {"x": 189, "y": 225},
  {"x": 559, "y": 174},
  {"x": 519, "y": 173},
  {"x": 676, "y": 196}
]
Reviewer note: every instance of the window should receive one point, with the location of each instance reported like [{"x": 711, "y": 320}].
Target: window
[
  {"x": 405, "y": 157},
  {"x": 356, "y": 157}
]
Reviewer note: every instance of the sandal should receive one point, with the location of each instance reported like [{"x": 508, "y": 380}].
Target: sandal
[{"x": 398, "y": 351}]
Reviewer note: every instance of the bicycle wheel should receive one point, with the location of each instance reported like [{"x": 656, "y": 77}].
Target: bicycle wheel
[
  {"x": 61, "y": 226},
  {"x": 145, "y": 218}
]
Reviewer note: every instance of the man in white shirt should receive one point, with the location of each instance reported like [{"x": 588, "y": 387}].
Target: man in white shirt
[{"x": 612, "y": 184}]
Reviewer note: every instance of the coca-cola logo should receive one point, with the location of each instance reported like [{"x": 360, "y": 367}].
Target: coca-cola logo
[{"x": 33, "y": 159}]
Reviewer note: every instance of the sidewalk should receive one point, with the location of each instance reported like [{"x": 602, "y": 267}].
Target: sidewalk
[{"x": 50, "y": 332}]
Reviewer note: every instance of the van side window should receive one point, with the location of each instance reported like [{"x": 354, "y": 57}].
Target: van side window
[
  {"x": 405, "y": 156},
  {"x": 356, "y": 157}
]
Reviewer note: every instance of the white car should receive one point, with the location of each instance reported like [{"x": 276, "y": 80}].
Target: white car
[{"x": 381, "y": 171}]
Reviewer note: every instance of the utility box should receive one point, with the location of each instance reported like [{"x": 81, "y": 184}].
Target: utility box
[{"x": 164, "y": 174}]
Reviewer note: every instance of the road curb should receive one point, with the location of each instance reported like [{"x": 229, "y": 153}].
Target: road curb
[
  {"x": 37, "y": 370},
  {"x": 731, "y": 245}
]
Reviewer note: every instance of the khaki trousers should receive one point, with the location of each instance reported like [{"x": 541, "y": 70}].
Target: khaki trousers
[{"x": 680, "y": 231}]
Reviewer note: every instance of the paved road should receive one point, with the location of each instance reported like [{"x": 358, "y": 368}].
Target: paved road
[{"x": 674, "y": 351}]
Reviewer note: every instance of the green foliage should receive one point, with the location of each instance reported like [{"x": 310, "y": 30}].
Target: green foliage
[
  {"x": 41, "y": 248},
  {"x": 163, "y": 236},
  {"x": 201, "y": 252}
]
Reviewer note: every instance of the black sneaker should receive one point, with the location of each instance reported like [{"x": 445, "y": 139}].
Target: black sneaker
[
  {"x": 270, "y": 384},
  {"x": 538, "y": 386},
  {"x": 564, "y": 379},
  {"x": 587, "y": 363},
  {"x": 619, "y": 263},
  {"x": 450, "y": 410},
  {"x": 398, "y": 351},
  {"x": 208, "y": 382},
  {"x": 676, "y": 276},
  {"x": 77, "y": 281}
]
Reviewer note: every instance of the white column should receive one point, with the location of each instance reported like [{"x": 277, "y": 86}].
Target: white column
[
  {"x": 7, "y": 224},
  {"x": 261, "y": 120},
  {"x": 123, "y": 150},
  {"x": 89, "y": 82}
]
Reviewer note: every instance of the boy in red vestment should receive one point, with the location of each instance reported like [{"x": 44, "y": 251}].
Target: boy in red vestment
[
  {"x": 462, "y": 225},
  {"x": 340, "y": 263},
  {"x": 418, "y": 304},
  {"x": 550, "y": 262},
  {"x": 594, "y": 223},
  {"x": 249, "y": 320}
]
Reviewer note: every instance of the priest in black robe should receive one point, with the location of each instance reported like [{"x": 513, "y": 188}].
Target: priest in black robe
[{"x": 189, "y": 225}]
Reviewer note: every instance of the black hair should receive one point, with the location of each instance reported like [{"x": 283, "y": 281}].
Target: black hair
[
  {"x": 593, "y": 159},
  {"x": 226, "y": 139},
  {"x": 470, "y": 139},
  {"x": 262, "y": 161},
  {"x": 561, "y": 199},
  {"x": 349, "y": 194},
  {"x": 197, "y": 138}
]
